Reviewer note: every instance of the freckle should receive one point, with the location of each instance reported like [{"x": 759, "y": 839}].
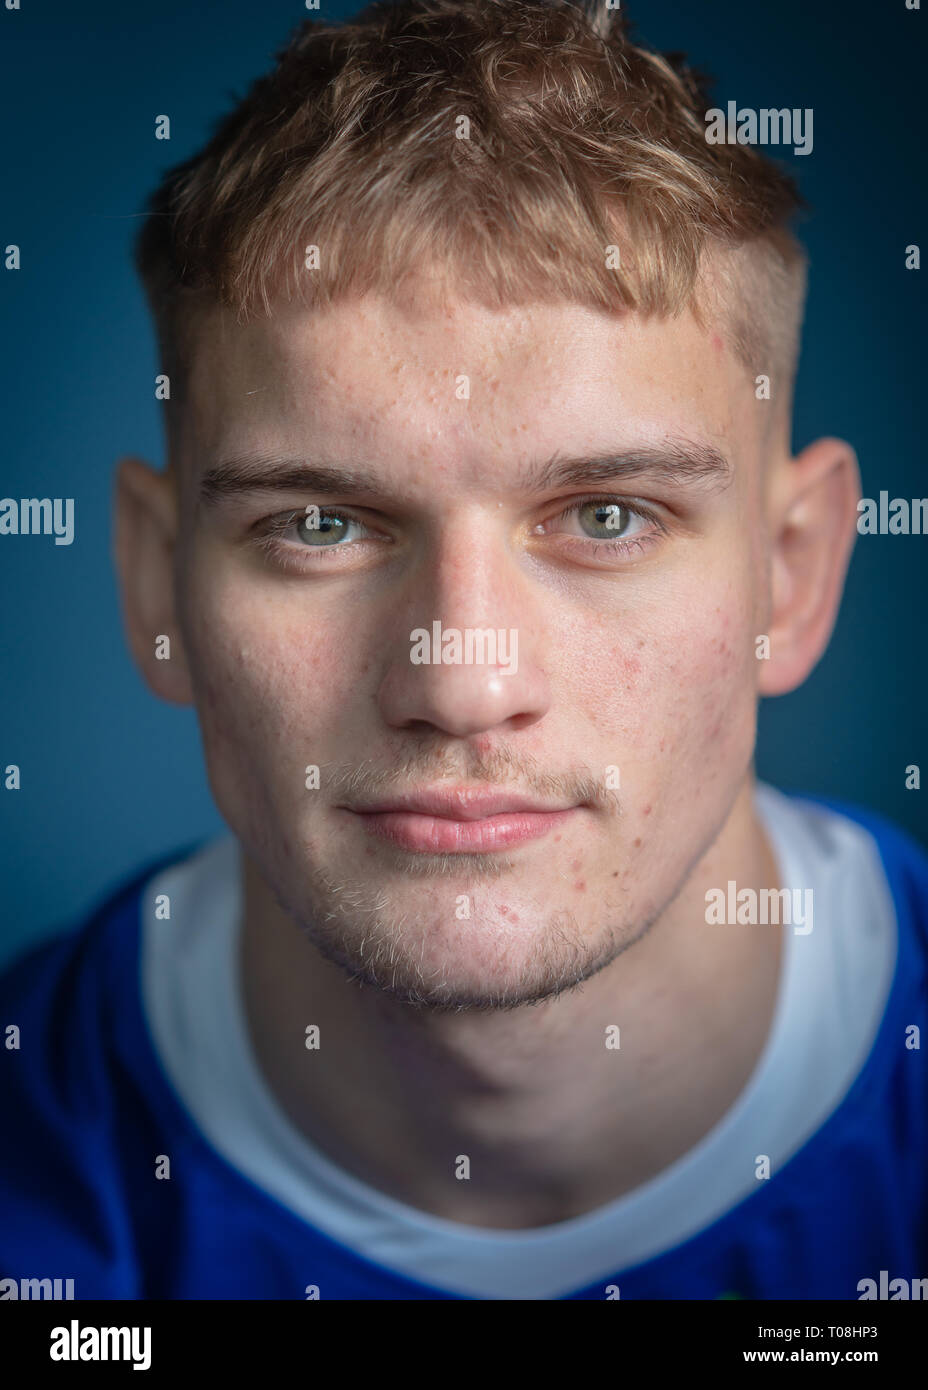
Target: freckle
[
  {"x": 580, "y": 885},
  {"x": 640, "y": 643},
  {"x": 616, "y": 874},
  {"x": 647, "y": 811}
]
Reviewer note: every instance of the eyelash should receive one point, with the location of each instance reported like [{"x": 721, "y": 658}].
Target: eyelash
[
  {"x": 624, "y": 545},
  {"x": 270, "y": 530}
]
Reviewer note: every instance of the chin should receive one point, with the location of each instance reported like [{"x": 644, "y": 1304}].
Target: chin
[{"x": 454, "y": 964}]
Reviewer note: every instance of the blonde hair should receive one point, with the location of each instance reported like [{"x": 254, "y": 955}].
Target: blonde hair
[{"x": 503, "y": 145}]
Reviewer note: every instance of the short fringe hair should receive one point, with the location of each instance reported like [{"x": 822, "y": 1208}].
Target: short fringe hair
[{"x": 503, "y": 146}]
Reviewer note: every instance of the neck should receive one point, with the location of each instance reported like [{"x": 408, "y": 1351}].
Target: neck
[{"x": 553, "y": 1121}]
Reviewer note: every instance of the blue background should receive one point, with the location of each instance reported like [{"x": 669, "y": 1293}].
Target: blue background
[{"x": 111, "y": 777}]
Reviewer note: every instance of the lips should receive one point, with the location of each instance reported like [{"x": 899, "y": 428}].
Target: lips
[{"x": 460, "y": 820}]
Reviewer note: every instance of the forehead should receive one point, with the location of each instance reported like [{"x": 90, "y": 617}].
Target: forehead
[{"x": 413, "y": 381}]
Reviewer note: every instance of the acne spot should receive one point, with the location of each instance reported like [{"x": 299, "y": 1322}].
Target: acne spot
[
  {"x": 580, "y": 885},
  {"x": 636, "y": 844},
  {"x": 576, "y": 864},
  {"x": 646, "y": 811}
]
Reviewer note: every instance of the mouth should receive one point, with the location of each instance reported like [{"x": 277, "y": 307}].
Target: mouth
[{"x": 460, "y": 820}]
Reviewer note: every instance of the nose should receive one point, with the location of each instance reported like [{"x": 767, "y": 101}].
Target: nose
[{"x": 466, "y": 647}]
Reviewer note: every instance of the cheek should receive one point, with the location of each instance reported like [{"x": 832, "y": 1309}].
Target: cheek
[
  {"x": 682, "y": 680},
  {"x": 273, "y": 680}
]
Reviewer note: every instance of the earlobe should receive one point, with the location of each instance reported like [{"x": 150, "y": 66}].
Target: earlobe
[
  {"x": 813, "y": 528},
  {"x": 145, "y": 534}
]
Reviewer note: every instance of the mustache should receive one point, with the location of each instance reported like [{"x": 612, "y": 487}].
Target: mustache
[{"x": 498, "y": 768}]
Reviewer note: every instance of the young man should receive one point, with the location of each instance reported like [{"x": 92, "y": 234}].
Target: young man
[{"x": 479, "y": 539}]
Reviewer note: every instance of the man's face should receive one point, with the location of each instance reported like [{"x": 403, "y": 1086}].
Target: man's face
[{"x": 626, "y": 606}]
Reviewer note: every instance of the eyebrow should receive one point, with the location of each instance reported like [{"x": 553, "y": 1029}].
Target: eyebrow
[{"x": 671, "y": 461}]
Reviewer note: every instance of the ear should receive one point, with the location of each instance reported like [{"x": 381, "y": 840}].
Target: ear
[
  {"x": 145, "y": 539},
  {"x": 813, "y": 510}
]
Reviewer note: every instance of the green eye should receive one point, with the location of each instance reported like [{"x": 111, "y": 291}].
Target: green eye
[
  {"x": 324, "y": 529},
  {"x": 604, "y": 521}
]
